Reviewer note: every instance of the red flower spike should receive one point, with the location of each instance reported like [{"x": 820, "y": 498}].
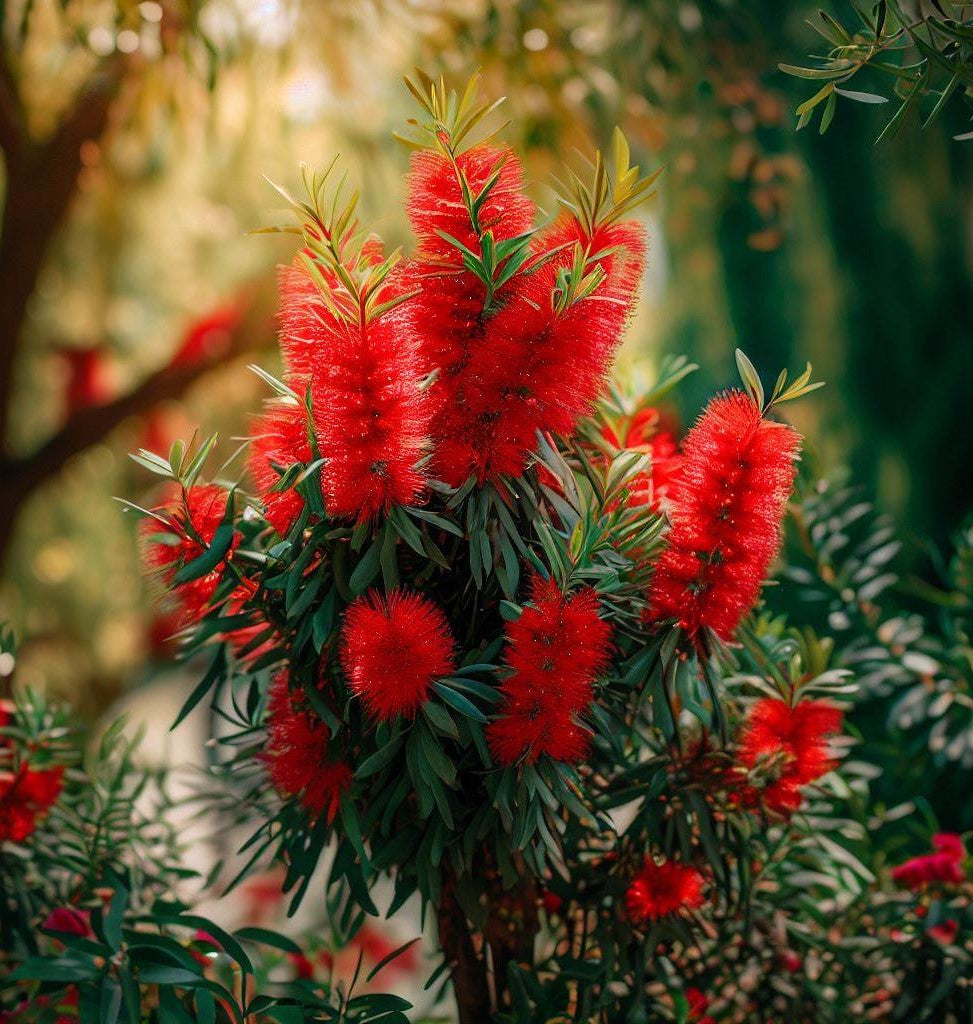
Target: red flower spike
[
  {"x": 371, "y": 417},
  {"x": 392, "y": 649},
  {"x": 447, "y": 314},
  {"x": 727, "y": 505},
  {"x": 645, "y": 434},
  {"x": 304, "y": 321},
  {"x": 297, "y": 754},
  {"x": 555, "y": 650},
  {"x": 944, "y": 866},
  {"x": 204, "y": 509},
  {"x": 279, "y": 439},
  {"x": 25, "y": 797},
  {"x": 792, "y": 743},
  {"x": 435, "y": 200},
  {"x": 548, "y": 369},
  {"x": 209, "y": 337},
  {"x": 659, "y": 890},
  {"x": 946, "y": 932}
]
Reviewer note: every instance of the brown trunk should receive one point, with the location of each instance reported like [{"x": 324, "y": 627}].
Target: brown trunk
[
  {"x": 469, "y": 970},
  {"x": 480, "y": 986}
]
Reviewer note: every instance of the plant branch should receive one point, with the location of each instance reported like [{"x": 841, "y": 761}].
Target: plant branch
[{"x": 23, "y": 475}]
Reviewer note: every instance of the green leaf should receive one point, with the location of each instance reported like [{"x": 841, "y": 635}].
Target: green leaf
[
  {"x": 366, "y": 570},
  {"x": 458, "y": 702},
  {"x": 210, "y": 558},
  {"x": 750, "y": 377},
  {"x": 392, "y": 956},
  {"x": 266, "y": 937}
]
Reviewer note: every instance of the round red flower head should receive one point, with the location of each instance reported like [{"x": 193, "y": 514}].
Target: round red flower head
[
  {"x": 393, "y": 648},
  {"x": 661, "y": 889},
  {"x": 298, "y": 754},
  {"x": 26, "y": 796},
  {"x": 791, "y": 745}
]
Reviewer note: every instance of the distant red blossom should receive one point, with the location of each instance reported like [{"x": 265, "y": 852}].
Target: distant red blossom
[
  {"x": 945, "y": 865},
  {"x": 69, "y": 921},
  {"x": 209, "y": 336},
  {"x": 298, "y": 753},
  {"x": 555, "y": 651},
  {"x": 726, "y": 510},
  {"x": 661, "y": 889},
  {"x": 789, "y": 745},
  {"x": 945, "y": 932},
  {"x": 26, "y": 795},
  {"x": 698, "y": 1005},
  {"x": 392, "y": 650}
]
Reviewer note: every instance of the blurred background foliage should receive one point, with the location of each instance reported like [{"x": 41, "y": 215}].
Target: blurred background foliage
[{"x": 135, "y": 139}]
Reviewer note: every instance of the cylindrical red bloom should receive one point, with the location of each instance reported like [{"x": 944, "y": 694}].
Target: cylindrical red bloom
[
  {"x": 448, "y": 313},
  {"x": 279, "y": 440},
  {"x": 945, "y": 865},
  {"x": 371, "y": 416},
  {"x": 662, "y": 889},
  {"x": 555, "y": 651},
  {"x": 547, "y": 368},
  {"x": 167, "y": 546},
  {"x": 26, "y": 796},
  {"x": 790, "y": 744},
  {"x": 392, "y": 650},
  {"x": 727, "y": 505},
  {"x": 298, "y": 755}
]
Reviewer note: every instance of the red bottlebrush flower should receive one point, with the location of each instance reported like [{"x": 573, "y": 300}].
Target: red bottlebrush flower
[
  {"x": 447, "y": 314},
  {"x": 168, "y": 546},
  {"x": 243, "y": 638},
  {"x": 945, "y": 932},
  {"x": 279, "y": 440},
  {"x": 790, "y": 743},
  {"x": 543, "y": 370},
  {"x": 208, "y": 337},
  {"x": 303, "y": 968},
  {"x": 68, "y": 921},
  {"x": 698, "y": 1003},
  {"x": 435, "y": 200},
  {"x": 89, "y": 380},
  {"x": 790, "y": 961},
  {"x": 25, "y": 797},
  {"x": 393, "y": 648},
  {"x": 659, "y": 890},
  {"x": 555, "y": 651},
  {"x": 944, "y": 866},
  {"x": 297, "y": 754},
  {"x": 375, "y": 947},
  {"x": 727, "y": 506},
  {"x": 371, "y": 416},
  {"x": 551, "y": 902},
  {"x": 304, "y": 320}
]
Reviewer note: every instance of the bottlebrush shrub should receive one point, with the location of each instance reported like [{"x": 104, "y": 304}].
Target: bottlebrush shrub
[
  {"x": 492, "y": 652},
  {"x": 91, "y": 875}
]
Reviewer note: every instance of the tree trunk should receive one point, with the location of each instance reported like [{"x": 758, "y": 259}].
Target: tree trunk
[
  {"x": 469, "y": 969},
  {"x": 479, "y": 983}
]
